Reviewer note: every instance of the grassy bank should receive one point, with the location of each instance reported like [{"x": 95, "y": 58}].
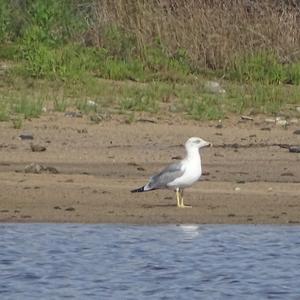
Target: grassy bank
[{"x": 126, "y": 56}]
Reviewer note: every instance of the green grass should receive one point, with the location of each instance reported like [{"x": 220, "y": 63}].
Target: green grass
[
  {"x": 4, "y": 114},
  {"x": 206, "y": 107},
  {"x": 17, "y": 122},
  {"x": 27, "y": 106},
  {"x": 264, "y": 67},
  {"x": 25, "y": 98},
  {"x": 60, "y": 104}
]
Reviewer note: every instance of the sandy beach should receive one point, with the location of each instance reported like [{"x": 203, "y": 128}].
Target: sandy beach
[{"x": 87, "y": 171}]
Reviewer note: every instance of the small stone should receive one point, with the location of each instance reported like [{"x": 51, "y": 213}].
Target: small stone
[
  {"x": 265, "y": 129},
  {"x": 270, "y": 189},
  {"x": 33, "y": 168},
  {"x": 51, "y": 170},
  {"x": 70, "y": 209},
  {"x": 37, "y": 148},
  {"x": 73, "y": 114},
  {"x": 44, "y": 109},
  {"x": 282, "y": 122},
  {"x": 287, "y": 174},
  {"x": 298, "y": 109},
  {"x": 294, "y": 121},
  {"x": 247, "y": 118},
  {"x": 26, "y": 136},
  {"x": 294, "y": 149},
  {"x": 37, "y": 169},
  {"x": 270, "y": 120},
  {"x": 296, "y": 131},
  {"x": 83, "y": 130},
  {"x": 237, "y": 189},
  {"x": 214, "y": 87},
  {"x": 91, "y": 103}
]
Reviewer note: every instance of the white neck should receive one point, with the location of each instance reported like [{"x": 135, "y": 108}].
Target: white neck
[
  {"x": 193, "y": 154},
  {"x": 193, "y": 159}
]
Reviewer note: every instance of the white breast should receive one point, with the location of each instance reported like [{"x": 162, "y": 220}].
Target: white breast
[{"x": 191, "y": 175}]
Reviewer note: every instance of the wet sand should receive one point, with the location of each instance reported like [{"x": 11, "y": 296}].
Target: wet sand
[{"x": 250, "y": 176}]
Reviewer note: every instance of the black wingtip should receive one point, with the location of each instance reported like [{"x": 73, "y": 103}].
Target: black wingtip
[{"x": 139, "y": 190}]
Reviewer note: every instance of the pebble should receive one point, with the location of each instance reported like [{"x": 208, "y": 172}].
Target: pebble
[
  {"x": 281, "y": 122},
  {"x": 270, "y": 120},
  {"x": 298, "y": 108},
  {"x": 26, "y": 136},
  {"x": 294, "y": 149},
  {"x": 248, "y": 118},
  {"x": 265, "y": 129},
  {"x": 237, "y": 189},
  {"x": 37, "y": 169},
  {"x": 37, "y": 148},
  {"x": 214, "y": 87},
  {"x": 91, "y": 103},
  {"x": 296, "y": 131},
  {"x": 73, "y": 114}
]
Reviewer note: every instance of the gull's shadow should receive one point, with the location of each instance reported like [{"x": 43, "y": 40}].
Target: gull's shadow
[{"x": 158, "y": 205}]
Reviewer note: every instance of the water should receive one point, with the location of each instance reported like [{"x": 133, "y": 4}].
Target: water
[{"x": 52, "y": 261}]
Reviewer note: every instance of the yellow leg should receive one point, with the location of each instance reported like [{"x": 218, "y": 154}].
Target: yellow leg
[
  {"x": 178, "y": 197},
  {"x": 181, "y": 203}
]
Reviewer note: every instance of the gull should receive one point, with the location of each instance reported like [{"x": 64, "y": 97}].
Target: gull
[{"x": 180, "y": 175}]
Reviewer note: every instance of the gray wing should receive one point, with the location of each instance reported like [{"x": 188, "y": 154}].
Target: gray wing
[{"x": 166, "y": 176}]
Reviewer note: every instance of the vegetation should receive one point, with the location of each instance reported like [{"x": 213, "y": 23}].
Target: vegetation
[{"x": 151, "y": 56}]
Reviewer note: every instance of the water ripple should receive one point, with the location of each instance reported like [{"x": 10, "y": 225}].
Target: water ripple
[{"x": 48, "y": 261}]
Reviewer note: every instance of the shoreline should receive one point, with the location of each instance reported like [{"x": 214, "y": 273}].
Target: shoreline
[{"x": 97, "y": 167}]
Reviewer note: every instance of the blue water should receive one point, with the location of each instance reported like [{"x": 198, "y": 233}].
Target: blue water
[{"x": 58, "y": 261}]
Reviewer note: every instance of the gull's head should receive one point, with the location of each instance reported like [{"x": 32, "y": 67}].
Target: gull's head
[{"x": 197, "y": 143}]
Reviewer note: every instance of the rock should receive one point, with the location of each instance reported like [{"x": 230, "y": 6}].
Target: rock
[
  {"x": 44, "y": 109},
  {"x": 237, "y": 189},
  {"x": 83, "y": 130},
  {"x": 99, "y": 117},
  {"x": 270, "y": 120},
  {"x": 26, "y": 136},
  {"x": 70, "y": 209},
  {"x": 33, "y": 168},
  {"x": 287, "y": 174},
  {"x": 37, "y": 148},
  {"x": 91, "y": 103},
  {"x": 294, "y": 121},
  {"x": 146, "y": 120},
  {"x": 247, "y": 118},
  {"x": 298, "y": 109},
  {"x": 73, "y": 114},
  {"x": 296, "y": 131},
  {"x": 214, "y": 87},
  {"x": 294, "y": 149},
  {"x": 282, "y": 122},
  {"x": 51, "y": 170},
  {"x": 38, "y": 169},
  {"x": 265, "y": 129},
  {"x": 278, "y": 121}
]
